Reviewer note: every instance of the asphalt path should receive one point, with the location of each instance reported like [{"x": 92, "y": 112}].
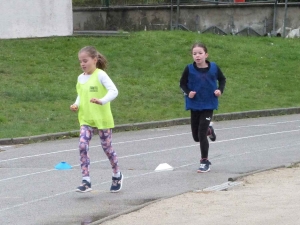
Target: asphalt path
[{"x": 34, "y": 192}]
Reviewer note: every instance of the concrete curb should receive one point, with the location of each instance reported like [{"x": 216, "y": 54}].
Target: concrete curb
[
  {"x": 235, "y": 178},
  {"x": 100, "y": 33},
  {"x": 154, "y": 124},
  {"x": 232, "y": 179},
  {"x": 134, "y": 209}
]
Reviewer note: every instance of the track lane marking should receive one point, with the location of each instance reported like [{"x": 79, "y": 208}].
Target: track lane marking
[
  {"x": 144, "y": 139},
  {"x": 134, "y": 176},
  {"x": 152, "y": 152}
]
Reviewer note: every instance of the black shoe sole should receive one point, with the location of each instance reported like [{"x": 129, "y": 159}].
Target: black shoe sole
[{"x": 87, "y": 190}]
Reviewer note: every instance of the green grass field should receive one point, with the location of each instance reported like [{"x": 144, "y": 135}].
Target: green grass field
[{"x": 38, "y": 77}]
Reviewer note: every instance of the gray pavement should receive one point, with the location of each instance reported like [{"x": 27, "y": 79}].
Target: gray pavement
[
  {"x": 155, "y": 124},
  {"x": 33, "y": 192}
]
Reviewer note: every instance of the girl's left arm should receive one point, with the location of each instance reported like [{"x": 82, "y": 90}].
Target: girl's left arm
[
  {"x": 110, "y": 86},
  {"x": 221, "y": 79}
]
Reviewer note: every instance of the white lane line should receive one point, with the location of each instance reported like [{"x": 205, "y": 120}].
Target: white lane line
[
  {"x": 66, "y": 192},
  {"x": 135, "y": 176},
  {"x": 34, "y": 201},
  {"x": 27, "y": 175},
  {"x": 217, "y": 157},
  {"x": 76, "y": 149},
  {"x": 160, "y": 129},
  {"x": 103, "y": 160},
  {"x": 7, "y": 146},
  {"x": 37, "y": 155},
  {"x": 152, "y": 152},
  {"x": 260, "y": 125},
  {"x": 258, "y": 135},
  {"x": 144, "y": 139}
]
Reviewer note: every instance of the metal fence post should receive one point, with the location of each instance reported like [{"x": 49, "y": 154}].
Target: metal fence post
[
  {"x": 171, "y": 22},
  {"x": 284, "y": 19},
  {"x": 273, "y": 32},
  {"x": 177, "y": 15}
]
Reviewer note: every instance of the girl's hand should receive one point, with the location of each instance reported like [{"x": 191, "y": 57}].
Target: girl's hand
[
  {"x": 96, "y": 101},
  {"x": 74, "y": 107},
  {"x": 218, "y": 93},
  {"x": 192, "y": 94}
]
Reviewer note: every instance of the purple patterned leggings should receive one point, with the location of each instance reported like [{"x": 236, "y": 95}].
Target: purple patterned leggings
[{"x": 86, "y": 133}]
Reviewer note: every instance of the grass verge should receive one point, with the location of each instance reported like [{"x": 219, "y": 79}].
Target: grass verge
[{"x": 38, "y": 77}]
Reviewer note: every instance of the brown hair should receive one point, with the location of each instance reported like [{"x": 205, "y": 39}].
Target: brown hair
[
  {"x": 92, "y": 52},
  {"x": 201, "y": 45}
]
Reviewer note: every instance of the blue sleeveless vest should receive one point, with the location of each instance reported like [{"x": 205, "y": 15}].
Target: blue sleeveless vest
[{"x": 204, "y": 84}]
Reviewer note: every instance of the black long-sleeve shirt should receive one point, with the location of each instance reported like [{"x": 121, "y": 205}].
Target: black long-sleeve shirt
[{"x": 184, "y": 78}]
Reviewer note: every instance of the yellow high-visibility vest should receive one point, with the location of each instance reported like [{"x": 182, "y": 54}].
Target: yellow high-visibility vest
[{"x": 91, "y": 114}]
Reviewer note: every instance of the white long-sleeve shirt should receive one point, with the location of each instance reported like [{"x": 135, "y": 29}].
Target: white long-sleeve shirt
[{"x": 105, "y": 80}]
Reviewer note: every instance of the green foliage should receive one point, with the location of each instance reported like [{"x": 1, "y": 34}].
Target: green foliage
[{"x": 38, "y": 77}]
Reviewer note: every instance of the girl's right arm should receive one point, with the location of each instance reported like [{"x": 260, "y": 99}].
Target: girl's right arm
[
  {"x": 81, "y": 79},
  {"x": 184, "y": 80},
  {"x": 75, "y": 105},
  {"x": 77, "y": 101}
]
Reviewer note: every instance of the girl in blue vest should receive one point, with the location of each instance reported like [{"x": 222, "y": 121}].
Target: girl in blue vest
[
  {"x": 202, "y": 83},
  {"x": 95, "y": 91}
]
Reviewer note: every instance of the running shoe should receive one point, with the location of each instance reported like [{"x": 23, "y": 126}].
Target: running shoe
[
  {"x": 116, "y": 183},
  {"x": 211, "y": 132},
  {"x": 204, "y": 166},
  {"x": 84, "y": 187}
]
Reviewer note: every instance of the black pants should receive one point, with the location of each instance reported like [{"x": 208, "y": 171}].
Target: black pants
[{"x": 199, "y": 123}]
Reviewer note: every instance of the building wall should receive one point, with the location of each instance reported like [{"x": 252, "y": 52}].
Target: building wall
[
  {"x": 230, "y": 18},
  {"x": 35, "y": 18}
]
